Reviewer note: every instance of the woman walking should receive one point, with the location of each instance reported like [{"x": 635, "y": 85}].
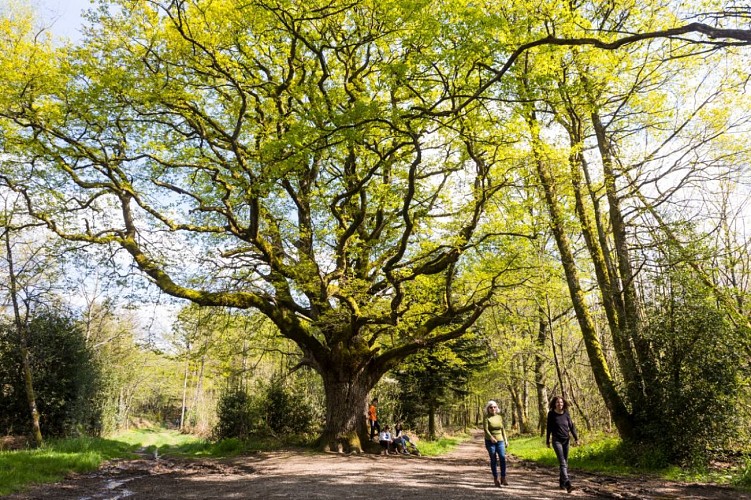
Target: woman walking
[
  {"x": 495, "y": 441},
  {"x": 560, "y": 427}
]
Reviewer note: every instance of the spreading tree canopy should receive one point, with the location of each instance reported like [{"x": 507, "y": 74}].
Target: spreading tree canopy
[
  {"x": 347, "y": 168},
  {"x": 282, "y": 158}
]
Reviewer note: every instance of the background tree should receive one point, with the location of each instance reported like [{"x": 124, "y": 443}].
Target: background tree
[
  {"x": 436, "y": 377},
  {"x": 618, "y": 125}
]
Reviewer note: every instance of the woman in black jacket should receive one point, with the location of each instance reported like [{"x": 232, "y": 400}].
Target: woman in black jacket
[{"x": 560, "y": 427}]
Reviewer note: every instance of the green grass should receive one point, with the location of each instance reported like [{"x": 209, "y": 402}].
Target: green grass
[
  {"x": 743, "y": 477},
  {"x": 441, "y": 445},
  {"x": 605, "y": 454},
  {"x": 597, "y": 453},
  {"x": 167, "y": 441},
  {"x": 56, "y": 459},
  {"x": 173, "y": 443}
]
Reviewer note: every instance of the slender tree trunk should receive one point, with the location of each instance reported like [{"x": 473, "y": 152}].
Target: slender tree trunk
[
  {"x": 632, "y": 324},
  {"x": 601, "y": 371},
  {"x": 28, "y": 378},
  {"x": 431, "y": 423},
  {"x": 556, "y": 362},
  {"x": 542, "y": 394},
  {"x": 518, "y": 411},
  {"x": 186, "y": 375},
  {"x": 596, "y": 241},
  {"x": 525, "y": 427},
  {"x": 575, "y": 402},
  {"x": 23, "y": 340},
  {"x": 478, "y": 412},
  {"x": 198, "y": 391}
]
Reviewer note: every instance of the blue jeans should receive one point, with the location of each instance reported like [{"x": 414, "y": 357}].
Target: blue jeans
[
  {"x": 561, "y": 452},
  {"x": 497, "y": 451}
]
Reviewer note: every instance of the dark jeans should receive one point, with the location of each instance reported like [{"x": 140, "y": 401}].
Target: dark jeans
[
  {"x": 497, "y": 452},
  {"x": 561, "y": 452},
  {"x": 375, "y": 429}
]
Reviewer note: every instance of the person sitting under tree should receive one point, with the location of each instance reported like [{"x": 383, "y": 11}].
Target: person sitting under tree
[{"x": 386, "y": 440}]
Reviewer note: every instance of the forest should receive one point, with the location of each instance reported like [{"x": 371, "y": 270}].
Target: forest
[{"x": 431, "y": 202}]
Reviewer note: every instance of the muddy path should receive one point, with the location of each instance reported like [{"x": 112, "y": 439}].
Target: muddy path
[{"x": 461, "y": 474}]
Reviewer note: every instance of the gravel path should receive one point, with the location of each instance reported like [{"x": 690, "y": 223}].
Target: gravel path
[{"x": 462, "y": 474}]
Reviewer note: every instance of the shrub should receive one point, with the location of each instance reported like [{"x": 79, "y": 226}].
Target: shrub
[
  {"x": 698, "y": 379},
  {"x": 234, "y": 414},
  {"x": 65, "y": 375},
  {"x": 288, "y": 413}
]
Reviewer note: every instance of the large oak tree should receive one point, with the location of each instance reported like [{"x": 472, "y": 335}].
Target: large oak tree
[{"x": 282, "y": 158}]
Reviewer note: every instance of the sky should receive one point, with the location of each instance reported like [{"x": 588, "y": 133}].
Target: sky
[{"x": 62, "y": 16}]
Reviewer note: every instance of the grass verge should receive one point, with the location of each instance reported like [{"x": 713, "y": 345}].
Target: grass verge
[
  {"x": 607, "y": 455},
  {"x": 58, "y": 458},
  {"x": 441, "y": 445},
  {"x": 55, "y": 460}
]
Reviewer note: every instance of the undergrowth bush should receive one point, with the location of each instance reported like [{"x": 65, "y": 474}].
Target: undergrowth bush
[
  {"x": 277, "y": 409},
  {"x": 234, "y": 415},
  {"x": 743, "y": 478}
]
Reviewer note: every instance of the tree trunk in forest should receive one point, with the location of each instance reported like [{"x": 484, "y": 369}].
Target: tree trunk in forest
[
  {"x": 431, "y": 423},
  {"x": 542, "y": 393},
  {"x": 598, "y": 248},
  {"x": 556, "y": 362},
  {"x": 631, "y": 320},
  {"x": 601, "y": 371},
  {"x": 186, "y": 374},
  {"x": 575, "y": 404},
  {"x": 23, "y": 344},
  {"x": 198, "y": 391},
  {"x": 526, "y": 427},
  {"x": 575, "y": 401},
  {"x": 518, "y": 413},
  {"x": 28, "y": 378}
]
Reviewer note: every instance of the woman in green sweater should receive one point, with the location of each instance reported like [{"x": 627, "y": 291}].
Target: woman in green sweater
[{"x": 495, "y": 441}]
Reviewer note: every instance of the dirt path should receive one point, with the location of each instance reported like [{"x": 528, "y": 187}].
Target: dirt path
[{"x": 462, "y": 474}]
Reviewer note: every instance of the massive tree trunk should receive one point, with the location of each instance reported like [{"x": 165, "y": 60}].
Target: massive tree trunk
[{"x": 346, "y": 426}]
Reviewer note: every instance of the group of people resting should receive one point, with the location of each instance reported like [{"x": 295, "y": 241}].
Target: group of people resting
[{"x": 395, "y": 442}]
